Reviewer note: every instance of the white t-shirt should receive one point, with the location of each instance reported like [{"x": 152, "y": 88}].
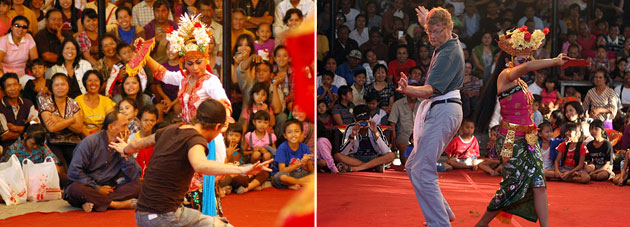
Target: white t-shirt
[
  {"x": 547, "y": 163},
  {"x": 534, "y": 89},
  {"x": 625, "y": 97}
]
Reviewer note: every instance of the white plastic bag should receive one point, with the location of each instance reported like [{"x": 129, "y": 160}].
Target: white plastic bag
[
  {"x": 12, "y": 183},
  {"x": 42, "y": 181}
]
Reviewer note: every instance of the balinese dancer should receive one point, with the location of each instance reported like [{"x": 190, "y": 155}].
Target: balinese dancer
[
  {"x": 196, "y": 84},
  {"x": 523, "y": 189},
  {"x": 438, "y": 117}
]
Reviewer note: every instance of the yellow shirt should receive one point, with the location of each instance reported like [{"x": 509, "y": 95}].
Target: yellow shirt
[
  {"x": 93, "y": 118},
  {"x": 30, "y": 15}
]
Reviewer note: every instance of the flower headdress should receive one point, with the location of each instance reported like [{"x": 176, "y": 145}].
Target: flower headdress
[
  {"x": 519, "y": 42},
  {"x": 192, "y": 36}
]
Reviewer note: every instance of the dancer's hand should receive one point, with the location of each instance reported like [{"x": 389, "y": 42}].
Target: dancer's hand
[
  {"x": 119, "y": 146},
  {"x": 402, "y": 83},
  {"x": 421, "y": 13},
  {"x": 257, "y": 167},
  {"x": 563, "y": 58}
]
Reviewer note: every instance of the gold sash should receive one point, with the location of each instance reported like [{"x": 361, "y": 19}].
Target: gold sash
[{"x": 508, "y": 144}]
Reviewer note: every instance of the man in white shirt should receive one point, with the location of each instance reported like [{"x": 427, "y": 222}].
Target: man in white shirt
[
  {"x": 306, "y": 6},
  {"x": 530, "y": 14},
  {"x": 207, "y": 9},
  {"x": 539, "y": 81},
  {"x": 349, "y": 12},
  {"x": 143, "y": 13}
]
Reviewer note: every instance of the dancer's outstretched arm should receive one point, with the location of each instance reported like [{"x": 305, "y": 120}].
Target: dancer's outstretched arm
[
  {"x": 199, "y": 162},
  {"x": 524, "y": 68},
  {"x": 135, "y": 146}
]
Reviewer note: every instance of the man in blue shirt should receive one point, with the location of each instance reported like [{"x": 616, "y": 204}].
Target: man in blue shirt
[
  {"x": 99, "y": 177},
  {"x": 346, "y": 70}
]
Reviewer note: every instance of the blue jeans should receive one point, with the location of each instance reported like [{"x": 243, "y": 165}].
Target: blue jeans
[{"x": 183, "y": 216}]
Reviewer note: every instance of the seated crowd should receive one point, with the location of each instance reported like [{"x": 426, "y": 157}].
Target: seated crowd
[
  {"x": 63, "y": 98},
  {"x": 375, "y": 41}
]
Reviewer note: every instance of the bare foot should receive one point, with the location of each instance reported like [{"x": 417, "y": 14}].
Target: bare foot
[
  {"x": 495, "y": 173},
  {"x": 127, "y": 204},
  {"x": 87, "y": 207},
  {"x": 295, "y": 187}
]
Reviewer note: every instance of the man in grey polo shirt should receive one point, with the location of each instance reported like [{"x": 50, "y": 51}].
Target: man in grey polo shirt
[{"x": 438, "y": 117}]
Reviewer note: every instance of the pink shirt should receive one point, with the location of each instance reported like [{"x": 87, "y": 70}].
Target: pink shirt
[
  {"x": 256, "y": 142},
  {"x": 16, "y": 55}
]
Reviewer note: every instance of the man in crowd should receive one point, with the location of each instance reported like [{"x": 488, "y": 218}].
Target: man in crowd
[
  {"x": 364, "y": 146},
  {"x": 49, "y": 39},
  {"x": 100, "y": 178},
  {"x": 157, "y": 28}
]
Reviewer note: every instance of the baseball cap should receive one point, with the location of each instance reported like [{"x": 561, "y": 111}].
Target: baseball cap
[
  {"x": 361, "y": 113},
  {"x": 213, "y": 111},
  {"x": 355, "y": 54}
]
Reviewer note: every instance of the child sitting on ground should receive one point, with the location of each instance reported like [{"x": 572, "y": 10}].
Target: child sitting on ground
[
  {"x": 240, "y": 182},
  {"x": 233, "y": 150},
  {"x": 463, "y": 150},
  {"x": 622, "y": 178},
  {"x": 569, "y": 164},
  {"x": 548, "y": 145},
  {"x": 260, "y": 143},
  {"x": 293, "y": 161},
  {"x": 492, "y": 165},
  {"x": 600, "y": 153}
]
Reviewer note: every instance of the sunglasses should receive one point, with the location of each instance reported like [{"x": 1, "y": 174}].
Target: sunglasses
[{"x": 20, "y": 26}]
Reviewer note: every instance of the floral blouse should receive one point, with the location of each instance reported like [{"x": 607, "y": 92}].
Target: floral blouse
[{"x": 64, "y": 136}]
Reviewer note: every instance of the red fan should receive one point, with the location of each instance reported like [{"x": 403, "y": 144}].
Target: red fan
[
  {"x": 143, "y": 49},
  {"x": 576, "y": 62}
]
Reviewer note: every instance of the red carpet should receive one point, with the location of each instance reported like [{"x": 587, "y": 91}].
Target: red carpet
[
  {"x": 388, "y": 199},
  {"x": 258, "y": 208}
]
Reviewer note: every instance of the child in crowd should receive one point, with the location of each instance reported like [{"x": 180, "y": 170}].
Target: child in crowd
[
  {"x": 5, "y": 20},
  {"x": 323, "y": 114},
  {"x": 294, "y": 160},
  {"x": 548, "y": 145},
  {"x": 129, "y": 108},
  {"x": 358, "y": 88},
  {"x": 463, "y": 150},
  {"x": 377, "y": 114},
  {"x": 282, "y": 69},
  {"x": 263, "y": 45},
  {"x": 240, "y": 182},
  {"x": 308, "y": 130},
  {"x": 131, "y": 88},
  {"x": 569, "y": 164},
  {"x": 233, "y": 144},
  {"x": 550, "y": 94},
  {"x": 260, "y": 143},
  {"x": 32, "y": 146},
  {"x": 36, "y": 87},
  {"x": 327, "y": 92},
  {"x": 556, "y": 119},
  {"x": 492, "y": 165},
  {"x": 148, "y": 117},
  {"x": 600, "y": 153},
  {"x": 622, "y": 178},
  {"x": 170, "y": 90},
  {"x": 114, "y": 83},
  {"x": 537, "y": 115},
  {"x": 258, "y": 102}
]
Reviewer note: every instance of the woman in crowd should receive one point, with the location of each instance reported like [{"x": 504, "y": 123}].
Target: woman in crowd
[
  {"x": 601, "y": 101},
  {"x": 70, "y": 15},
  {"x": 70, "y": 63},
  {"x": 108, "y": 65},
  {"x": 370, "y": 61},
  {"x": 62, "y": 117},
  {"x": 94, "y": 106},
  {"x": 14, "y": 45},
  {"x": 88, "y": 38},
  {"x": 483, "y": 56}
]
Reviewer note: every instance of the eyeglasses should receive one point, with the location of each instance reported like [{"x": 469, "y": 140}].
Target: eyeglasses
[
  {"x": 434, "y": 32},
  {"x": 20, "y": 26}
]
